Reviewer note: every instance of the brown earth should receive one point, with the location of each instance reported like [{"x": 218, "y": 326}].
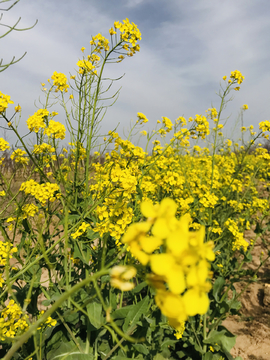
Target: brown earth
[{"x": 252, "y": 327}]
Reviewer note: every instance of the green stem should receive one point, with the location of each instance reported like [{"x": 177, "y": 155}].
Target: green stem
[
  {"x": 204, "y": 332},
  {"x": 33, "y": 328}
]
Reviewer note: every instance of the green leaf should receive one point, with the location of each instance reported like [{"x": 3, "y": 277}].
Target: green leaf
[
  {"x": 46, "y": 302},
  {"x": 159, "y": 357},
  {"x": 94, "y": 311},
  {"x": 75, "y": 355},
  {"x": 139, "y": 287},
  {"x": 105, "y": 278},
  {"x": 78, "y": 253},
  {"x": 141, "y": 348},
  {"x": 71, "y": 316},
  {"x": 218, "y": 285},
  {"x": 135, "y": 314},
  {"x": 168, "y": 342},
  {"x": 58, "y": 344},
  {"x": 224, "y": 338},
  {"x": 122, "y": 313},
  {"x": 208, "y": 356},
  {"x": 181, "y": 354}
]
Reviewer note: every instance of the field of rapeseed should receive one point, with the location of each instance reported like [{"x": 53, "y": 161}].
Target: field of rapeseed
[{"x": 135, "y": 257}]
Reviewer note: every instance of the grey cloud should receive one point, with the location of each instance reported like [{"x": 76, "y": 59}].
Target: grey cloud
[{"x": 186, "y": 48}]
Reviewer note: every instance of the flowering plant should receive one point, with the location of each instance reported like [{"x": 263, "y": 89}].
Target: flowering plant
[{"x": 135, "y": 256}]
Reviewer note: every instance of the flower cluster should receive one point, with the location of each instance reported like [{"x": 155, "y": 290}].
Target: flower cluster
[
  {"x": 56, "y": 130},
  {"x": 50, "y": 322},
  {"x": 239, "y": 240},
  {"x": 82, "y": 228},
  {"x": 85, "y": 66},
  {"x": 13, "y": 321},
  {"x": 264, "y": 125},
  {"x": 4, "y": 145},
  {"x": 36, "y": 121},
  {"x": 42, "y": 192},
  {"x": 141, "y": 118},
  {"x": 202, "y": 126},
  {"x": 183, "y": 265},
  {"x": 60, "y": 81},
  {"x": 4, "y": 101},
  {"x": 43, "y": 149},
  {"x": 120, "y": 276},
  {"x": 18, "y": 156},
  {"x": 29, "y": 210},
  {"x": 236, "y": 75},
  {"x": 100, "y": 42},
  {"x": 6, "y": 251},
  {"x": 129, "y": 32}
]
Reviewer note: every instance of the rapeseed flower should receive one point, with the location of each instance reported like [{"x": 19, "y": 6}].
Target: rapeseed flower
[
  {"x": 36, "y": 121},
  {"x": 120, "y": 276},
  {"x": 56, "y": 130},
  {"x": 4, "y": 145},
  {"x": 60, "y": 82},
  {"x": 4, "y": 101}
]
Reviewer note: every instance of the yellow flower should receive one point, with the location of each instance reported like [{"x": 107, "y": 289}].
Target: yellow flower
[
  {"x": 180, "y": 328},
  {"x": 111, "y": 31},
  {"x": 60, "y": 81},
  {"x": 142, "y": 118},
  {"x": 36, "y": 121},
  {"x": 18, "y": 156},
  {"x": 85, "y": 66},
  {"x": 236, "y": 75},
  {"x": 120, "y": 276},
  {"x": 195, "y": 302},
  {"x": 4, "y": 145},
  {"x": 4, "y": 101},
  {"x": 56, "y": 129}
]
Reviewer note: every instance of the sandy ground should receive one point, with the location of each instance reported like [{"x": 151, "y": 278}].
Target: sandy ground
[{"x": 252, "y": 327}]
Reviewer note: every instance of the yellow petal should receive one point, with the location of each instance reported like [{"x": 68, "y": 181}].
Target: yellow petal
[
  {"x": 160, "y": 228},
  {"x": 167, "y": 208},
  {"x": 150, "y": 243},
  {"x": 161, "y": 264},
  {"x": 138, "y": 253},
  {"x": 197, "y": 237},
  {"x": 148, "y": 209},
  {"x": 170, "y": 305},
  {"x": 195, "y": 302},
  {"x": 177, "y": 242},
  {"x": 176, "y": 280},
  {"x": 135, "y": 230}
]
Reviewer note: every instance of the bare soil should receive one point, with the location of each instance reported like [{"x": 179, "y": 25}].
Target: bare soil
[{"x": 252, "y": 327}]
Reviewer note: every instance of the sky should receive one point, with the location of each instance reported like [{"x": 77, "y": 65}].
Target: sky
[{"x": 186, "y": 49}]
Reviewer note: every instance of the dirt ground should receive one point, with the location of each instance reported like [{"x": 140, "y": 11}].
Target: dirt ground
[{"x": 252, "y": 327}]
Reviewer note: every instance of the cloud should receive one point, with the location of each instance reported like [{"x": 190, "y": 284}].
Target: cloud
[{"x": 186, "y": 48}]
